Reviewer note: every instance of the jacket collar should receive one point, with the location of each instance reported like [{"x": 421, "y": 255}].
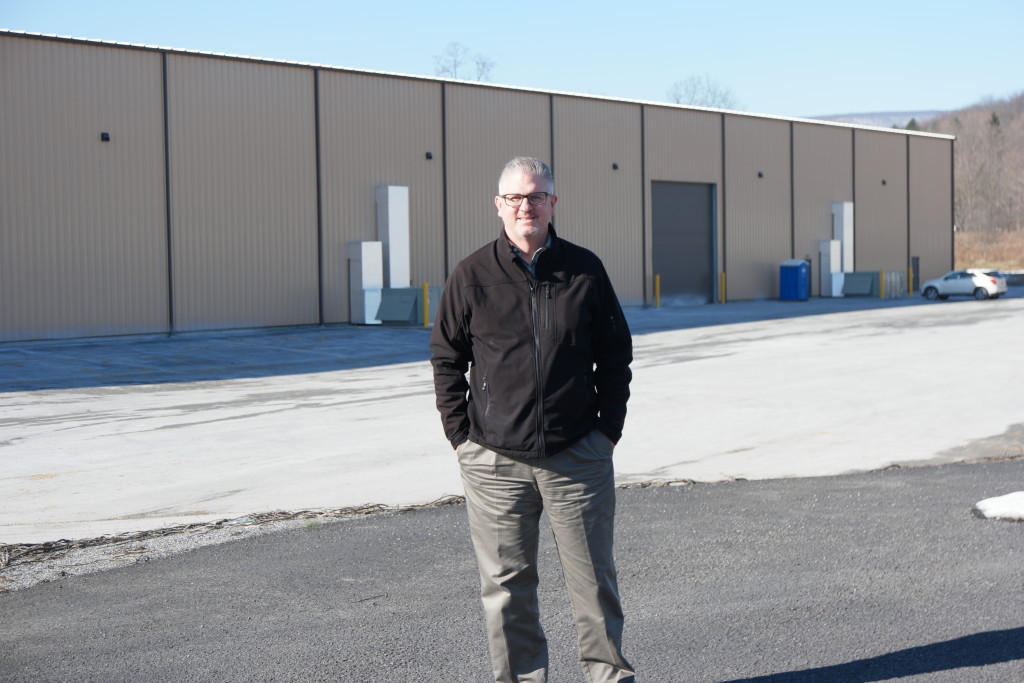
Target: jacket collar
[{"x": 509, "y": 252}]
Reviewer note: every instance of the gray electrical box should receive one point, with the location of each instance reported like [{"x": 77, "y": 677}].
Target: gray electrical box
[{"x": 404, "y": 305}]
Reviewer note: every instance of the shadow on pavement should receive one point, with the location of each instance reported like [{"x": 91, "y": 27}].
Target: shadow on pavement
[
  {"x": 980, "y": 649},
  {"x": 211, "y": 356},
  {"x": 202, "y": 357}
]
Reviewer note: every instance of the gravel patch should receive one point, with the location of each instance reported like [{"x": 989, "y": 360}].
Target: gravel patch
[{"x": 26, "y": 564}]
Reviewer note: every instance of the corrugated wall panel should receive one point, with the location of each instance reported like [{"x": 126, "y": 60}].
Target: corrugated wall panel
[
  {"x": 377, "y": 131},
  {"x": 243, "y": 188},
  {"x": 600, "y": 207},
  {"x": 485, "y": 128},
  {"x": 758, "y": 218},
  {"x": 880, "y": 203},
  {"x": 822, "y": 174},
  {"x": 931, "y": 205},
  {"x": 82, "y": 228},
  {"x": 83, "y": 224},
  {"x": 685, "y": 147}
]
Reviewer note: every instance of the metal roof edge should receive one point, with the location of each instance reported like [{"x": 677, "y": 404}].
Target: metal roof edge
[{"x": 437, "y": 79}]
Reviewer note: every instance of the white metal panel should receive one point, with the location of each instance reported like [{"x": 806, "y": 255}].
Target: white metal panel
[
  {"x": 880, "y": 201},
  {"x": 931, "y": 205},
  {"x": 379, "y": 131},
  {"x": 599, "y": 183},
  {"x": 243, "y": 189},
  {"x": 486, "y": 128},
  {"x": 822, "y": 174},
  {"x": 82, "y": 221},
  {"x": 758, "y": 218},
  {"x": 393, "y": 232}
]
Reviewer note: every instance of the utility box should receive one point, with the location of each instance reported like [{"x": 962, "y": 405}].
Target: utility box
[
  {"x": 830, "y": 258},
  {"x": 862, "y": 283},
  {"x": 842, "y": 230},
  {"x": 794, "y": 280},
  {"x": 393, "y": 233},
  {"x": 404, "y": 305},
  {"x": 365, "y": 281}
]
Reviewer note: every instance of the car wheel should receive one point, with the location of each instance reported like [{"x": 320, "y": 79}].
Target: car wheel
[
  {"x": 980, "y": 293},
  {"x": 931, "y": 294}
]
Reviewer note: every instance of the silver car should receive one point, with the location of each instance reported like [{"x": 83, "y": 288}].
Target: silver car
[{"x": 977, "y": 282}]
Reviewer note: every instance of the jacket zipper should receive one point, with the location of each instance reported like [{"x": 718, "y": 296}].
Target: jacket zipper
[
  {"x": 487, "y": 399},
  {"x": 547, "y": 305},
  {"x": 537, "y": 367}
]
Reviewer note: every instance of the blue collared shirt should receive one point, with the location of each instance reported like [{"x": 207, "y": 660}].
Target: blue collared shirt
[{"x": 531, "y": 265}]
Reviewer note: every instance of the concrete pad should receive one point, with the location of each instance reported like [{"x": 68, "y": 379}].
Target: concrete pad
[{"x": 131, "y": 435}]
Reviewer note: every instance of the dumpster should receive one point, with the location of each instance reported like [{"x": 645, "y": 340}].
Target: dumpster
[{"x": 794, "y": 280}]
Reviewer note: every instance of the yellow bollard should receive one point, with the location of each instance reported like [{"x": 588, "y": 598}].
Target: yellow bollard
[
  {"x": 657, "y": 291},
  {"x": 426, "y": 304},
  {"x": 881, "y": 284},
  {"x": 721, "y": 288}
]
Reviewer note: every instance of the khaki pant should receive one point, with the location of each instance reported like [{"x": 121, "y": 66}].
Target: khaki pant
[{"x": 504, "y": 498}]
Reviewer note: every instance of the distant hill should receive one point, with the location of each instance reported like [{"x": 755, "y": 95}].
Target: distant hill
[{"x": 884, "y": 119}]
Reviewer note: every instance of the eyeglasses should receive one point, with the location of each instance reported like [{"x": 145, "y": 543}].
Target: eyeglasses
[{"x": 535, "y": 198}]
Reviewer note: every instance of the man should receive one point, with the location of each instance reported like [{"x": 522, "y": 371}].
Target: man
[{"x": 534, "y": 321}]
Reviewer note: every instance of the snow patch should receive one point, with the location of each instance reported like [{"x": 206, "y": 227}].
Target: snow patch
[{"x": 1010, "y": 506}]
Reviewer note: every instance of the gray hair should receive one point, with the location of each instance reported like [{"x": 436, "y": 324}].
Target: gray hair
[{"x": 528, "y": 166}]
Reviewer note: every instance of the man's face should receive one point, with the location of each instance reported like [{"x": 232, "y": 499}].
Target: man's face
[{"x": 525, "y": 221}]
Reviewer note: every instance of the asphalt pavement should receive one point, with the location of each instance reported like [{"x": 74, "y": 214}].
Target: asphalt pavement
[{"x": 866, "y": 577}]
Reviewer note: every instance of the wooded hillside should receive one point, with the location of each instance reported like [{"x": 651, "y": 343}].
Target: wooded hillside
[
  {"x": 989, "y": 173},
  {"x": 989, "y": 178}
]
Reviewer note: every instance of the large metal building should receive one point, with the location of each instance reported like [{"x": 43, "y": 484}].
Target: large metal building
[{"x": 153, "y": 190}]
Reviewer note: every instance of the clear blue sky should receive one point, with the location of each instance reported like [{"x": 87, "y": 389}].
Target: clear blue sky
[{"x": 798, "y": 58}]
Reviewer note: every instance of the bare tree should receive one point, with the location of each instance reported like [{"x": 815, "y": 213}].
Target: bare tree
[
  {"x": 483, "y": 67},
  {"x": 989, "y": 164},
  {"x": 702, "y": 92},
  {"x": 456, "y": 62}
]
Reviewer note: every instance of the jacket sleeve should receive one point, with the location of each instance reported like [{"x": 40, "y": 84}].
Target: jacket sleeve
[
  {"x": 613, "y": 352},
  {"x": 451, "y": 353}
]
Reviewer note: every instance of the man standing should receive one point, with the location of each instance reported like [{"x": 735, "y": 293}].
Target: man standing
[{"x": 534, "y": 321}]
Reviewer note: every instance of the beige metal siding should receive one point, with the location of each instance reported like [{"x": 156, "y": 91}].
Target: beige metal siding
[
  {"x": 243, "y": 189},
  {"x": 485, "y": 128},
  {"x": 374, "y": 131},
  {"x": 82, "y": 227},
  {"x": 686, "y": 147},
  {"x": 931, "y": 205},
  {"x": 85, "y": 225},
  {"x": 822, "y": 174},
  {"x": 880, "y": 203},
  {"x": 758, "y": 235},
  {"x": 599, "y": 207}
]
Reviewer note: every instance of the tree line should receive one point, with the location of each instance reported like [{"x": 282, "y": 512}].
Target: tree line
[{"x": 989, "y": 163}]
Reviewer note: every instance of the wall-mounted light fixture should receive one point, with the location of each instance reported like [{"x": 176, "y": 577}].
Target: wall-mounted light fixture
[
  {"x": 104, "y": 137},
  {"x": 430, "y": 155},
  {"x": 615, "y": 167},
  {"x": 884, "y": 181},
  {"x": 760, "y": 174}
]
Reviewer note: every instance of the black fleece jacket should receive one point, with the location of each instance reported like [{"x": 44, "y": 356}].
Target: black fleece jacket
[{"x": 547, "y": 356}]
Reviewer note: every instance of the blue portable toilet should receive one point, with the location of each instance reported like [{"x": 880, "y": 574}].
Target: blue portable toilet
[{"x": 794, "y": 280}]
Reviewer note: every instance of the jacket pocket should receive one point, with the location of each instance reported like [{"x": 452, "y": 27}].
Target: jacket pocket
[{"x": 571, "y": 308}]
